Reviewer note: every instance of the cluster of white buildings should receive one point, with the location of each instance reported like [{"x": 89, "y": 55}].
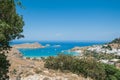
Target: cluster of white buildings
[{"x": 99, "y": 48}]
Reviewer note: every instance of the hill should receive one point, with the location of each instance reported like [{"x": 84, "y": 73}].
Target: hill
[{"x": 117, "y": 40}]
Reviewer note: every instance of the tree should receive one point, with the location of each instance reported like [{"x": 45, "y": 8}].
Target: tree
[
  {"x": 11, "y": 24},
  {"x": 4, "y": 65},
  {"x": 11, "y": 27}
]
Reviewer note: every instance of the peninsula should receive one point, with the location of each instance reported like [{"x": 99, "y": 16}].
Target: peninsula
[{"x": 28, "y": 45}]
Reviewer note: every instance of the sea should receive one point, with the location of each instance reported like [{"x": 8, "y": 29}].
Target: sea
[{"x": 53, "y": 48}]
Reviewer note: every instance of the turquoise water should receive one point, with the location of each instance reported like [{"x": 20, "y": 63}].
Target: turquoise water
[{"x": 54, "y": 48}]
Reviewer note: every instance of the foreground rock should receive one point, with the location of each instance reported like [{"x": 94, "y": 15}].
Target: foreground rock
[
  {"x": 29, "y": 45},
  {"x": 57, "y": 77}
]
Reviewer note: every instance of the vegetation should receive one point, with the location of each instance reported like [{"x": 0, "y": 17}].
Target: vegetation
[
  {"x": 117, "y": 40},
  {"x": 11, "y": 24},
  {"x": 27, "y": 57},
  {"x": 4, "y": 65},
  {"x": 107, "y": 47},
  {"x": 11, "y": 27},
  {"x": 87, "y": 67},
  {"x": 111, "y": 72}
]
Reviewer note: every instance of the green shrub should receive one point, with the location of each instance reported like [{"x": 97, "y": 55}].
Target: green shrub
[
  {"x": 87, "y": 67},
  {"x": 112, "y": 72},
  {"x": 27, "y": 57}
]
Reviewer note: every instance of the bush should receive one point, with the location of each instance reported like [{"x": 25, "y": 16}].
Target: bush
[
  {"x": 111, "y": 72},
  {"x": 87, "y": 67},
  {"x": 27, "y": 57}
]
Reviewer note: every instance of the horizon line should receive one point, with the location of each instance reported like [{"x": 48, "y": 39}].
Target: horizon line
[{"x": 61, "y": 41}]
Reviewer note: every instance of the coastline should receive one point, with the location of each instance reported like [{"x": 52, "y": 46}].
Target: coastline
[
  {"x": 26, "y": 66},
  {"x": 33, "y": 69}
]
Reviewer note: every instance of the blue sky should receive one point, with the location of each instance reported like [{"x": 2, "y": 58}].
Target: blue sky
[{"x": 71, "y": 20}]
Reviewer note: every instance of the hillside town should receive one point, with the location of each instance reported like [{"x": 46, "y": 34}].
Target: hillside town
[{"x": 111, "y": 49}]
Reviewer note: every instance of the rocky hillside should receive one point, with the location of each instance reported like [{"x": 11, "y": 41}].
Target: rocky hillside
[{"x": 115, "y": 43}]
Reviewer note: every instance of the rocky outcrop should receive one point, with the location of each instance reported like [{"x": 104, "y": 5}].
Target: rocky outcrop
[
  {"x": 114, "y": 46},
  {"x": 28, "y": 45}
]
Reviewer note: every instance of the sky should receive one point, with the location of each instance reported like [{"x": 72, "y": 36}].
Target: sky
[{"x": 71, "y": 20}]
